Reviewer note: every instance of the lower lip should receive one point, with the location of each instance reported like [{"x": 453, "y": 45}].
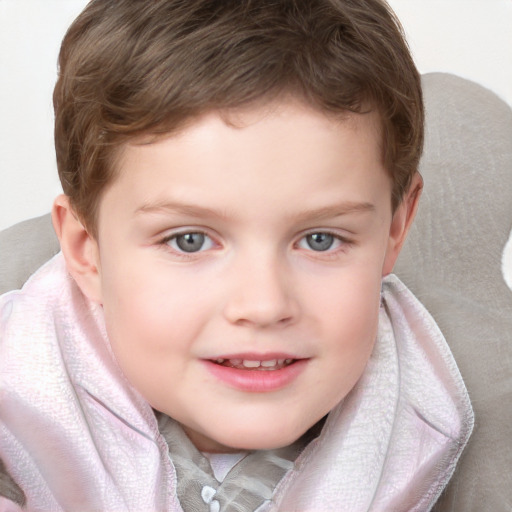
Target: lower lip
[{"x": 257, "y": 381}]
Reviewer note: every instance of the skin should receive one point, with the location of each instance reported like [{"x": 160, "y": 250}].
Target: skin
[{"x": 258, "y": 287}]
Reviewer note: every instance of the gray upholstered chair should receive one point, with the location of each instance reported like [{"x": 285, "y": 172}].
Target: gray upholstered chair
[{"x": 452, "y": 262}]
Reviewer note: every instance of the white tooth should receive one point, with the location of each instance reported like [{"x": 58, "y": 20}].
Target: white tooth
[
  {"x": 251, "y": 364},
  {"x": 267, "y": 364},
  {"x": 289, "y": 361},
  {"x": 280, "y": 361},
  {"x": 235, "y": 362},
  {"x": 220, "y": 361}
]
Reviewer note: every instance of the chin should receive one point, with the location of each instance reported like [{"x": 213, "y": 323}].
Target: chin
[{"x": 261, "y": 440}]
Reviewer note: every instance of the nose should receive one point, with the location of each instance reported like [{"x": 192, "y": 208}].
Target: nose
[{"x": 261, "y": 293}]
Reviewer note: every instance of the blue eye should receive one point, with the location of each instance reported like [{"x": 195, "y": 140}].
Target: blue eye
[
  {"x": 190, "y": 242},
  {"x": 320, "y": 241}
]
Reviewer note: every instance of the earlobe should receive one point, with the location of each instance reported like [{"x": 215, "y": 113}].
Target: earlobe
[
  {"x": 401, "y": 223},
  {"x": 79, "y": 248}
]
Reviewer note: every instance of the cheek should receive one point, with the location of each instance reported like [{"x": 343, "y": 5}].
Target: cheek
[
  {"x": 151, "y": 333},
  {"x": 149, "y": 319},
  {"x": 350, "y": 298},
  {"x": 350, "y": 314},
  {"x": 146, "y": 292},
  {"x": 346, "y": 326}
]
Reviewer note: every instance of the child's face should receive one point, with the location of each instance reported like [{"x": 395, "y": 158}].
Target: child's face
[{"x": 260, "y": 242}]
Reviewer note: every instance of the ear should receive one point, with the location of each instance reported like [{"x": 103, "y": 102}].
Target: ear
[
  {"x": 401, "y": 222},
  {"x": 80, "y": 249}
]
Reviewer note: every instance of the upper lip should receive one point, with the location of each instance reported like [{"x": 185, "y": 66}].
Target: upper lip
[{"x": 252, "y": 356}]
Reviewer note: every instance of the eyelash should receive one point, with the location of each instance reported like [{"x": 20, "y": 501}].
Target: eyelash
[
  {"x": 344, "y": 243},
  {"x": 165, "y": 243}
]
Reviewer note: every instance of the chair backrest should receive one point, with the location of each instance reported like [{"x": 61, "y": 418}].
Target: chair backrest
[
  {"x": 24, "y": 247},
  {"x": 452, "y": 262}
]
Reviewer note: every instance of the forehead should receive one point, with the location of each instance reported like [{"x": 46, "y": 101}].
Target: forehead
[
  {"x": 282, "y": 108},
  {"x": 282, "y": 149}
]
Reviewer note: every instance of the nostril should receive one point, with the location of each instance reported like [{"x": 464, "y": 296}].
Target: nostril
[
  {"x": 262, "y": 299},
  {"x": 264, "y": 321}
]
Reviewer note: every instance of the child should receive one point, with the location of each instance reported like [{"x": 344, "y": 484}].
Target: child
[{"x": 216, "y": 334}]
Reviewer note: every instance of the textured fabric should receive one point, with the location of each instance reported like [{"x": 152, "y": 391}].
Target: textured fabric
[
  {"x": 452, "y": 263},
  {"x": 222, "y": 463},
  {"x": 7, "y": 505},
  {"x": 9, "y": 489},
  {"x": 75, "y": 436},
  {"x": 247, "y": 486}
]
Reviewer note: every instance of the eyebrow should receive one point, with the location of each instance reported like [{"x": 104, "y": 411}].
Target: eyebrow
[
  {"x": 180, "y": 208},
  {"x": 336, "y": 210}
]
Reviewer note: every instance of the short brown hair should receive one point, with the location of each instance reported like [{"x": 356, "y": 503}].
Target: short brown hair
[{"x": 132, "y": 67}]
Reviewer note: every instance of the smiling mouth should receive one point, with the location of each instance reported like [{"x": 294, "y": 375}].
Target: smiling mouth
[{"x": 255, "y": 365}]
